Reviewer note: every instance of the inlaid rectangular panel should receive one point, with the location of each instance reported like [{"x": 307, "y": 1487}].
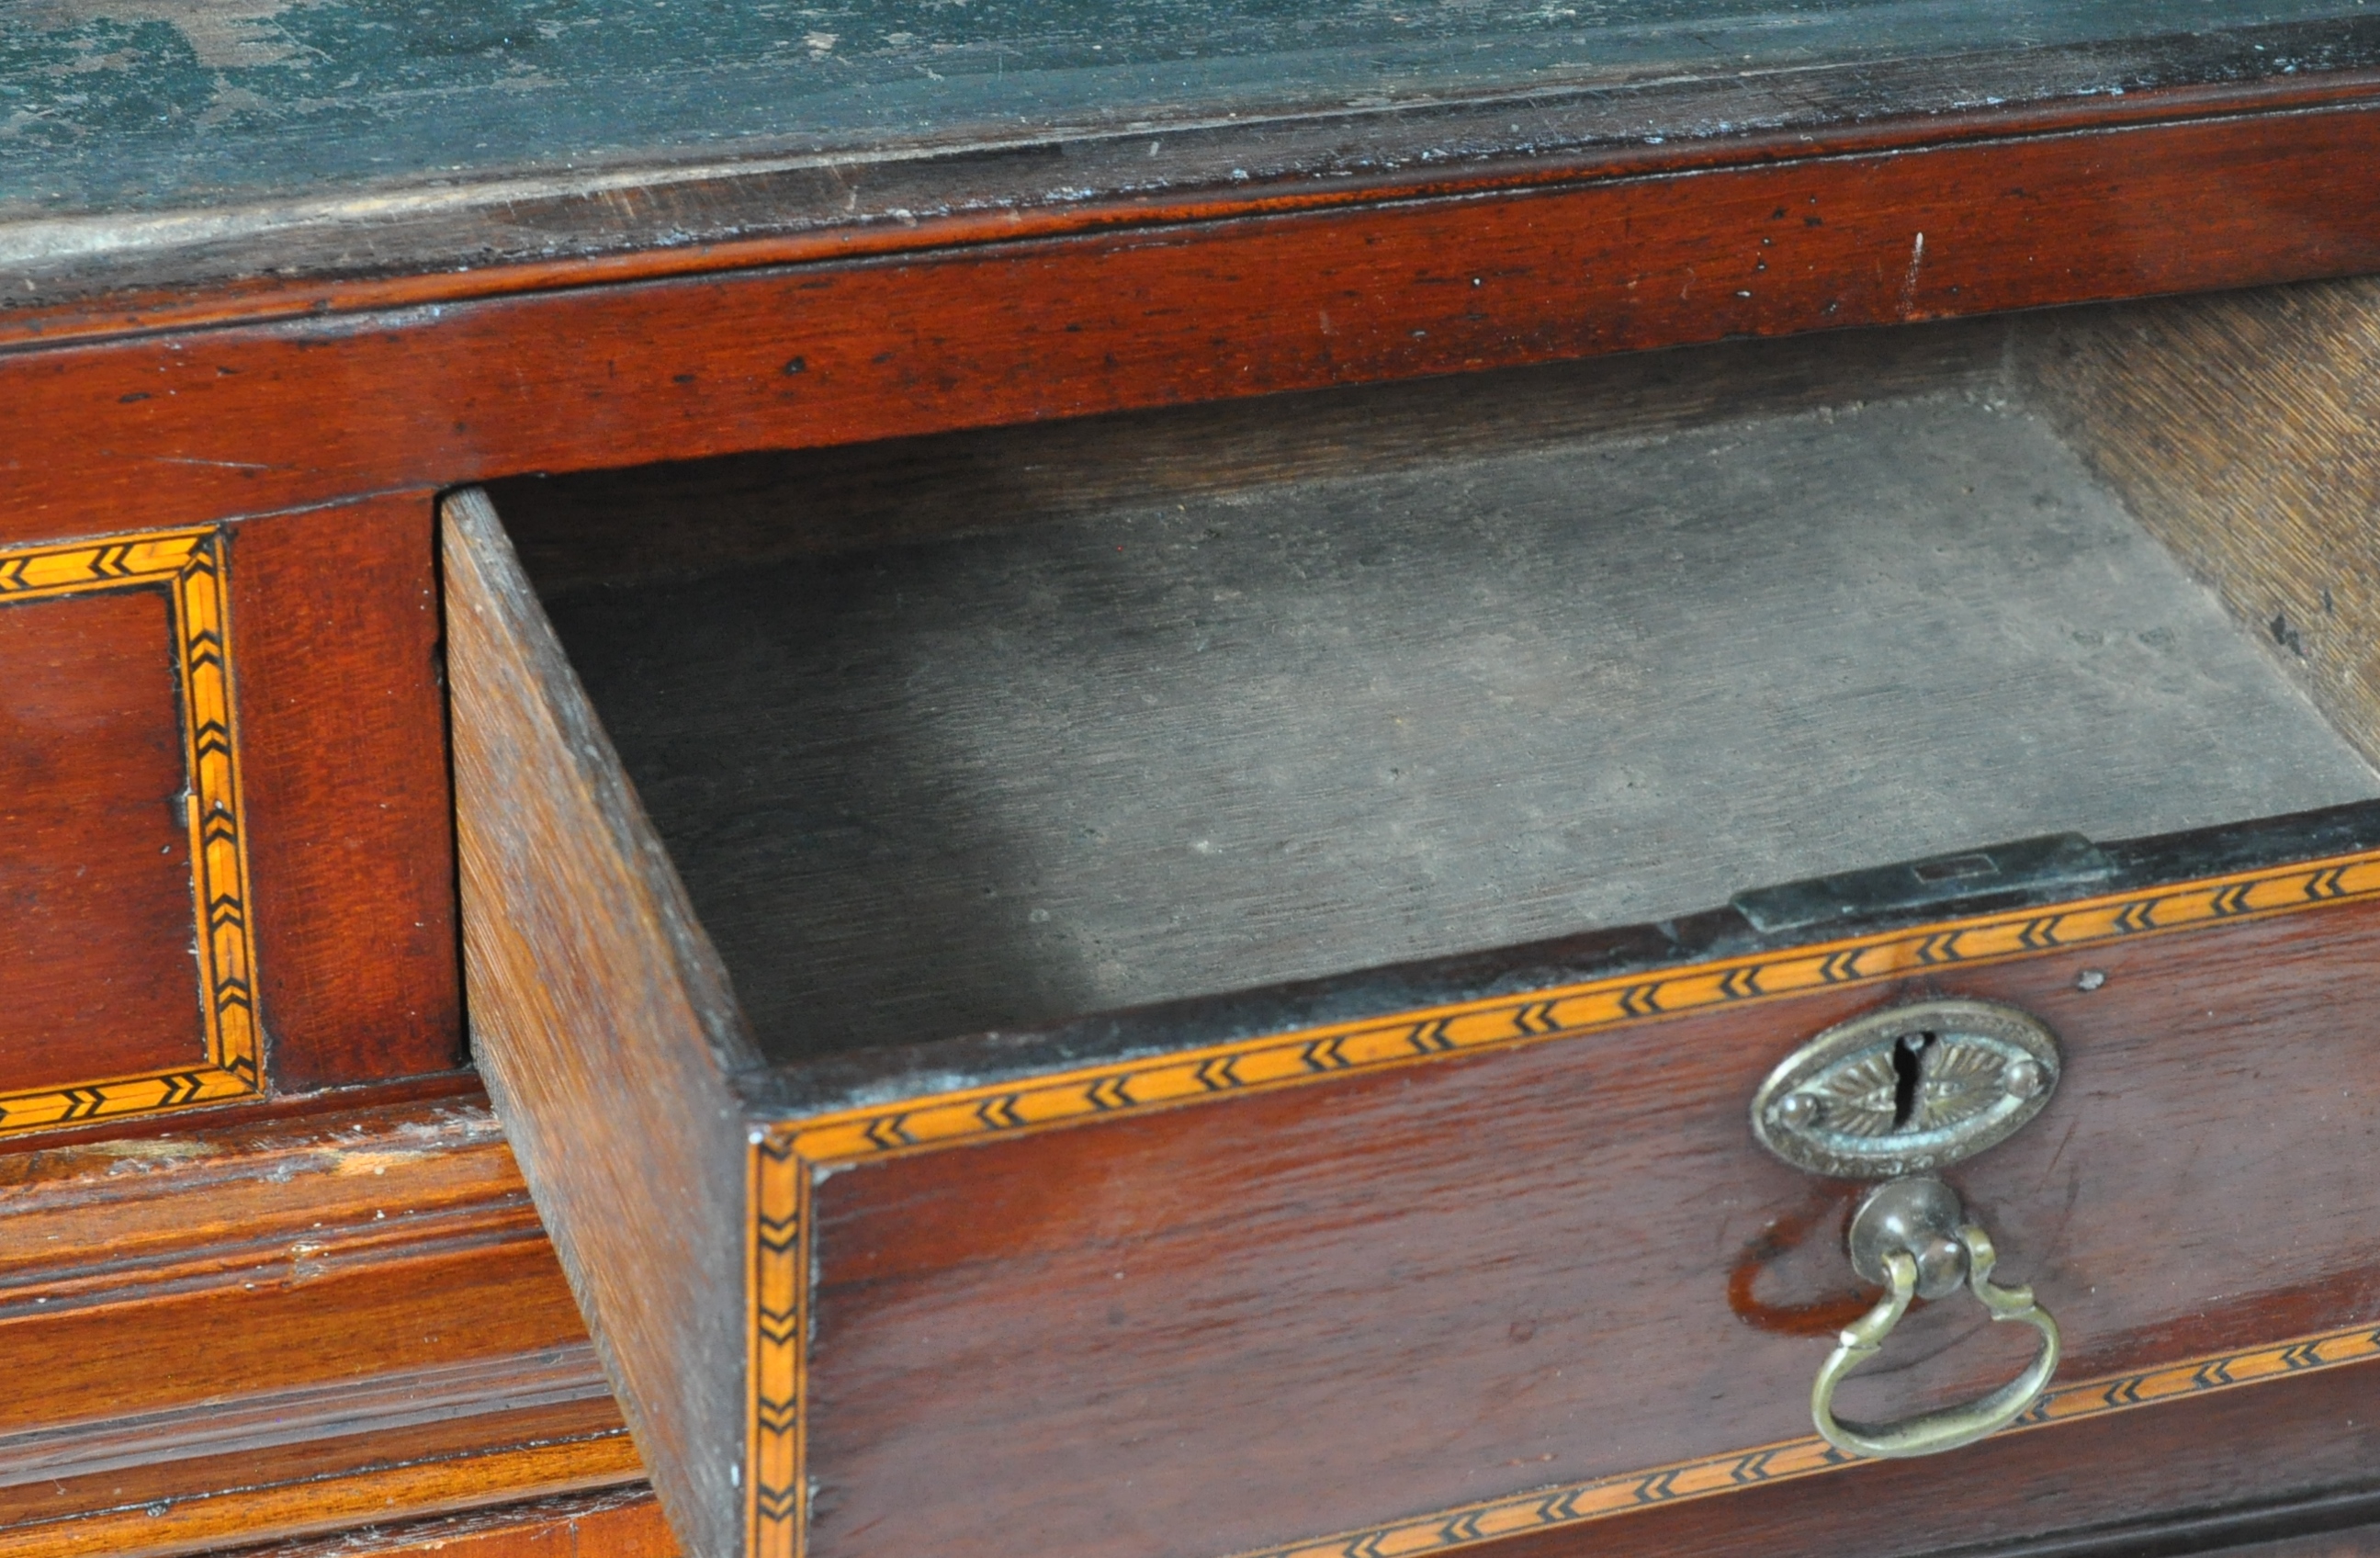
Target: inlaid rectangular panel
[{"x": 124, "y": 891}]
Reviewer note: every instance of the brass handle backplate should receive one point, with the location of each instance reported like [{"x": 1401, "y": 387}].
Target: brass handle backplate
[{"x": 1914, "y": 1235}]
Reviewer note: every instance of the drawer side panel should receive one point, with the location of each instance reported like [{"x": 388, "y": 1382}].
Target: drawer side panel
[{"x": 598, "y": 1012}]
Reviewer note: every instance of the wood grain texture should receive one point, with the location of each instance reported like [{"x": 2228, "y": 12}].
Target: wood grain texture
[
  {"x": 95, "y": 843},
  {"x": 350, "y": 816},
  {"x": 2244, "y": 431},
  {"x": 1322, "y": 720},
  {"x": 183, "y": 571},
  {"x": 2227, "y": 1471},
  {"x": 619, "y": 1523},
  {"x": 345, "y": 249},
  {"x": 229, "y": 1333},
  {"x": 836, "y": 353},
  {"x": 605, "y": 1028},
  {"x": 1466, "y": 1264},
  {"x": 169, "y": 938},
  {"x": 627, "y": 529},
  {"x": 255, "y": 1500}
]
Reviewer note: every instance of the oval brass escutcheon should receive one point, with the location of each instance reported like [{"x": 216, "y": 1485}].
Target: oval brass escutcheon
[{"x": 1908, "y": 1089}]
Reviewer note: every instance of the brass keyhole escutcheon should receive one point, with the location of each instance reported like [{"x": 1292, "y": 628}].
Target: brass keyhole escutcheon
[
  {"x": 1894, "y": 1095},
  {"x": 1914, "y": 1237},
  {"x": 1908, "y": 1089}
]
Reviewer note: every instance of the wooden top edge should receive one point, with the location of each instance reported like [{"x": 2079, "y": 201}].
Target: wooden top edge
[
  {"x": 925, "y": 1095},
  {"x": 78, "y": 278}
]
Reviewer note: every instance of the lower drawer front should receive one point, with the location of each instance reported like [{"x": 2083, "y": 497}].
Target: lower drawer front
[{"x": 1550, "y": 1277}]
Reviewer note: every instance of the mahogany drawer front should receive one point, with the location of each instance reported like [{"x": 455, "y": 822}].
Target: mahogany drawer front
[
  {"x": 1477, "y": 1247},
  {"x": 225, "y": 779}
]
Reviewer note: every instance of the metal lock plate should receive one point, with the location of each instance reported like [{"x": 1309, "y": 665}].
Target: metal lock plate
[{"x": 1908, "y": 1089}]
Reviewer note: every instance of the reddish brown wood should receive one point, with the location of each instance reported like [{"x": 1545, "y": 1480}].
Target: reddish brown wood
[
  {"x": 350, "y": 829},
  {"x": 946, "y": 202},
  {"x": 605, "y": 1027},
  {"x": 1311, "y": 1310},
  {"x": 236, "y": 1333},
  {"x": 344, "y": 1483},
  {"x": 96, "y": 900},
  {"x": 2224, "y": 1473},
  {"x": 1010, "y": 332},
  {"x": 622, "y": 1523},
  {"x": 290, "y": 1109}
]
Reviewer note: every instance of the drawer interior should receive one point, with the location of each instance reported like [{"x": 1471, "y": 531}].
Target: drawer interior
[{"x": 989, "y": 730}]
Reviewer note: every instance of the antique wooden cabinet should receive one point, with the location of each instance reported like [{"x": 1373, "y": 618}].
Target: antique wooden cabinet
[{"x": 1127, "y": 737}]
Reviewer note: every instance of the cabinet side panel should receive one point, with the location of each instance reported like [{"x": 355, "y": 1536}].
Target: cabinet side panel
[
  {"x": 604, "y": 1026},
  {"x": 2243, "y": 429}
]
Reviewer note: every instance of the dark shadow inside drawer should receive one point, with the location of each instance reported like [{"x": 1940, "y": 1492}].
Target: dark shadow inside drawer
[
  {"x": 989, "y": 730},
  {"x": 996, "y": 728}
]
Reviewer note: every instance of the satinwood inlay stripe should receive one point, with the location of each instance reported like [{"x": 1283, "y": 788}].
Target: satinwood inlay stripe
[
  {"x": 784, "y": 1156},
  {"x": 1576, "y": 1502},
  {"x": 189, "y": 565},
  {"x": 1311, "y": 1054}
]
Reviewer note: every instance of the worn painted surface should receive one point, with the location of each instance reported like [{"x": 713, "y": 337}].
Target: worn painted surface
[{"x": 141, "y": 105}]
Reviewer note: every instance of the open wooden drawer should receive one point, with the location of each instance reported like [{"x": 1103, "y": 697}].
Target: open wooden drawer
[{"x": 1150, "y": 988}]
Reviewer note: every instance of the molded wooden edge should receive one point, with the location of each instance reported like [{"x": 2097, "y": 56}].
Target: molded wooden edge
[
  {"x": 189, "y": 564},
  {"x": 918, "y": 199},
  {"x": 623, "y": 1522},
  {"x": 109, "y": 1222},
  {"x": 270, "y": 1262},
  {"x": 303, "y": 1505},
  {"x": 786, "y": 1161},
  {"x": 271, "y": 1419},
  {"x": 604, "y": 1026}
]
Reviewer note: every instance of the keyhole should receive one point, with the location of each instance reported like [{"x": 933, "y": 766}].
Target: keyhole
[{"x": 1908, "y": 1071}]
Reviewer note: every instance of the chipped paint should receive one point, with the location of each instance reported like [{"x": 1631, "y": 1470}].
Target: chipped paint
[
  {"x": 223, "y": 34},
  {"x": 119, "y": 108}
]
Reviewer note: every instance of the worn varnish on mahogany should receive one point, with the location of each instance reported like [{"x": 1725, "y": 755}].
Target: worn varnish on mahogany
[
  {"x": 205, "y": 843},
  {"x": 187, "y": 353},
  {"x": 248, "y": 1332},
  {"x": 1472, "y": 1248},
  {"x": 212, "y": 324}
]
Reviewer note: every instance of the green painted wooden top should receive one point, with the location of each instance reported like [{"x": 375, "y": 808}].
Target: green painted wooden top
[{"x": 127, "y": 107}]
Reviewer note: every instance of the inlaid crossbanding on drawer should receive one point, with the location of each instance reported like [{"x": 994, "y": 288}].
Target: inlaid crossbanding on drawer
[
  {"x": 128, "y": 912},
  {"x": 1230, "y": 1049}
]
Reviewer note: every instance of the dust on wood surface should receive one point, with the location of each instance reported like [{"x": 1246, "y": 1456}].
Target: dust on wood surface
[
  {"x": 1177, "y": 747},
  {"x": 158, "y": 105}
]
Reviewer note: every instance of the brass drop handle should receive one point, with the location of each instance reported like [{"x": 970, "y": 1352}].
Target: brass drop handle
[{"x": 1913, "y": 1236}]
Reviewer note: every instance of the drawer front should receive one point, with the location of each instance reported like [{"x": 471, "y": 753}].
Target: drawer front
[
  {"x": 1411, "y": 1283},
  {"x": 127, "y": 908},
  {"x": 225, "y": 856}
]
